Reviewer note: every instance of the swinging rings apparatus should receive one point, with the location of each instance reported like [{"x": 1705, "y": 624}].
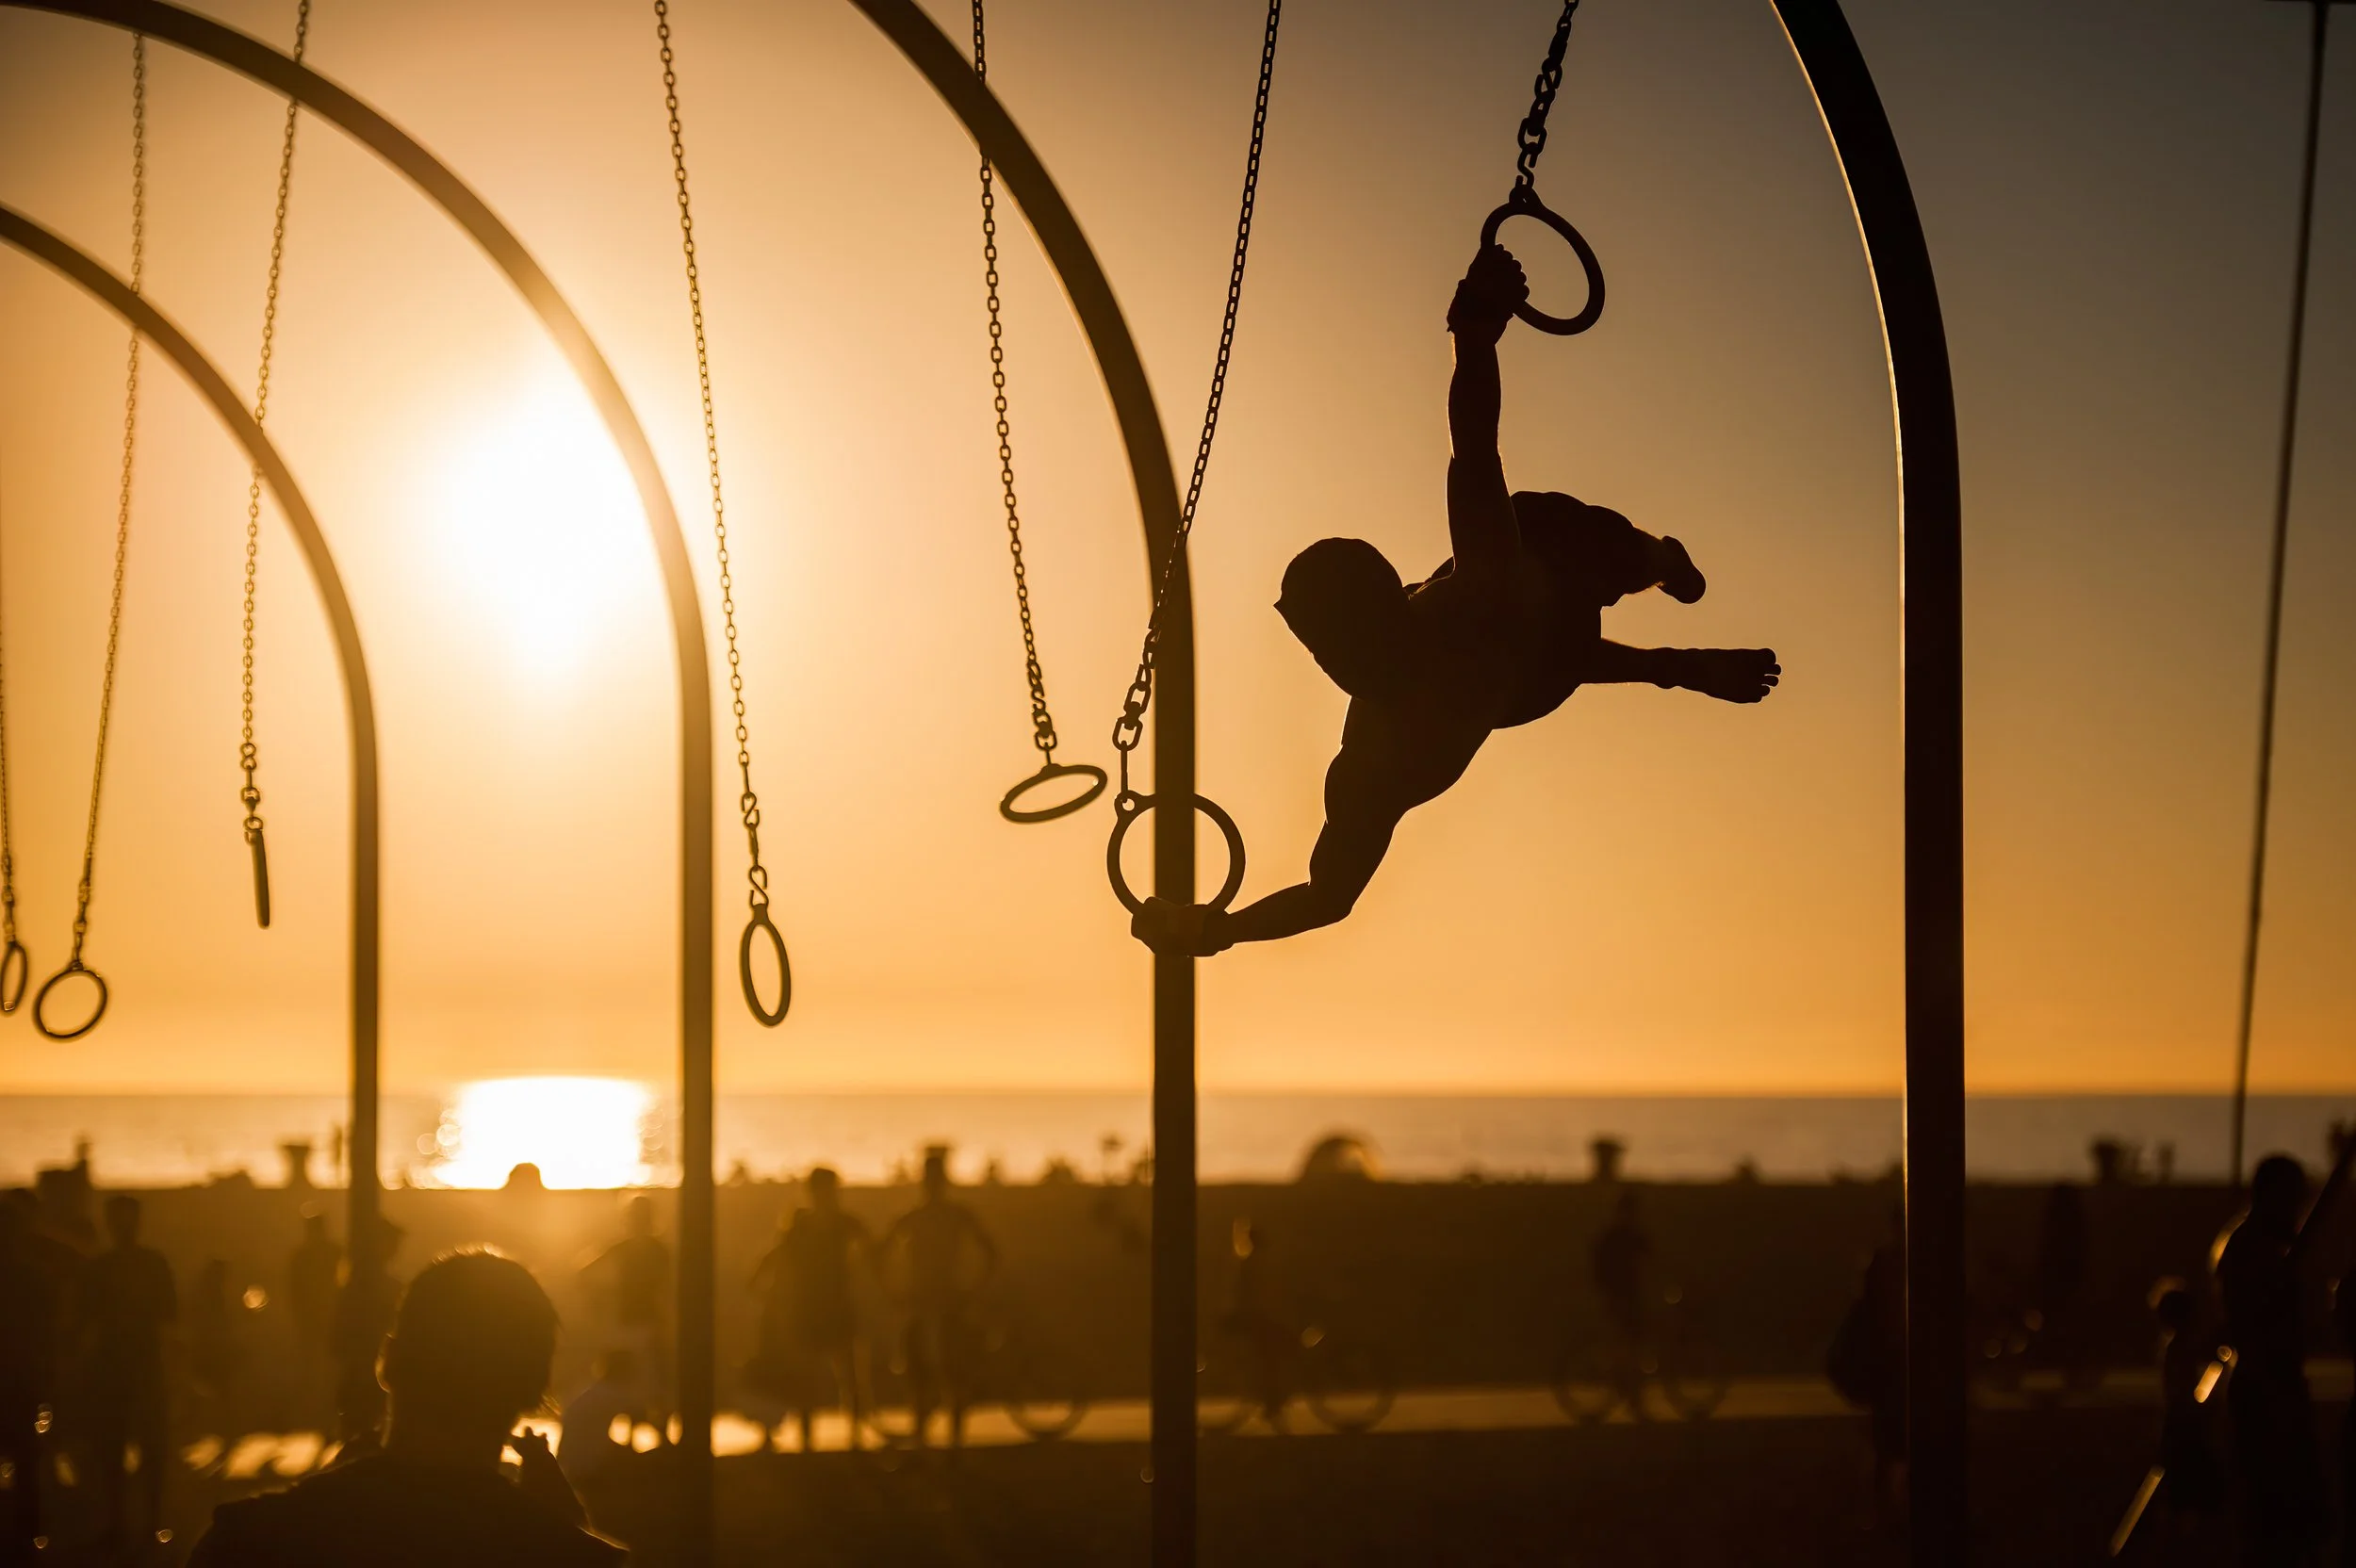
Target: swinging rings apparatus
[
  {"x": 758, "y": 922},
  {"x": 1129, "y": 730},
  {"x": 1523, "y": 201},
  {"x": 73, "y": 966},
  {"x": 1042, "y": 721}
]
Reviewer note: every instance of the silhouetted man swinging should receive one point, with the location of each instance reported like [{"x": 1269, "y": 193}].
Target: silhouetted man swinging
[{"x": 1498, "y": 636}]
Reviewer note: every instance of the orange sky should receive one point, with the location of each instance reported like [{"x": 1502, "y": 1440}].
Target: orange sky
[{"x": 1646, "y": 892}]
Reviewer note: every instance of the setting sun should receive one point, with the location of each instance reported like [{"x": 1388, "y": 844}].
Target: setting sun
[
  {"x": 579, "y": 1131},
  {"x": 535, "y": 506}
]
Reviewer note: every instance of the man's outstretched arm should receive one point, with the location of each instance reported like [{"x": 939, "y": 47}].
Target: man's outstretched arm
[
  {"x": 1356, "y": 836},
  {"x": 1731, "y": 675},
  {"x": 1481, "y": 521}
]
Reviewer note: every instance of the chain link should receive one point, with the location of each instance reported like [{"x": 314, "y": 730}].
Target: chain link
[
  {"x": 748, "y": 804},
  {"x": 249, "y": 757},
  {"x": 1532, "y": 135},
  {"x": 1042, "y": 721},
  {"x": 1129, "y": 730},
  {"x": 83, "y": 888}
]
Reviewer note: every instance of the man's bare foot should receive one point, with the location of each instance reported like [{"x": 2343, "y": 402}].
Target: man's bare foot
[
  {"x": 1679, "y": 577},
  {"x": 1732, "y": 674}
]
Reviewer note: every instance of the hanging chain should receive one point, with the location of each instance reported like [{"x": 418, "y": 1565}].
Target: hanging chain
[
  {"x": 1130, "y": 728},
  {"x": 1042, "y": 721},
  {"x": 123, "y": 503},
  {"x": 8, "y": 845},
  {"x": 755, "y": 876},
  {"x": 1532, "y": 135},
  {"x": 248, "y": 759}
]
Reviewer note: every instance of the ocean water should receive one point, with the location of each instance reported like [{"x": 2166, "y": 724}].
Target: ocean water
[{"x": 167, "y": 1140}]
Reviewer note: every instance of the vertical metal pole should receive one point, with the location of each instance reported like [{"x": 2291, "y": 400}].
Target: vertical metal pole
[
  {"x": 363, "y": 1191},
  {"x": 1171, "y": 1357},
  {"x": 1174, "y": 1350},
  {"x": 2322, "y": 10},
  {"x": 1930, "y": 568}
]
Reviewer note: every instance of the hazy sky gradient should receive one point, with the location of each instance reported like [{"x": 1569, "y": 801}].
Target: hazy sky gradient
[{"x": 1647, "y": 891}]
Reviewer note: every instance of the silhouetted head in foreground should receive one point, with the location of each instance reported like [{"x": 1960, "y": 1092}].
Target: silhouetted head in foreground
[
  {"x": 825, "y": 1187},
  {"x": 936, "y": 1171},
  {"x": 1346, "y": 603},
  {"x": 2173, "y": 1304},
  {"x": 2278, "y": 1190},
  {"x": 470, "y": 1351}
]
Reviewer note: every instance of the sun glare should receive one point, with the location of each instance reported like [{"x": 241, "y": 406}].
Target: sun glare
[
  {"x": 580, "y": 1132},
  {"x": 538, "y": 505}
]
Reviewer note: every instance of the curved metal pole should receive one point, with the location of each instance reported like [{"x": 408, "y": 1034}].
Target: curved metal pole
[
  {"x": 252, "y": 58},
  {"x": 1172, "y": 1363},
  {"x": 1930, "y": 509},
  {"x": 359, "y": 704}
]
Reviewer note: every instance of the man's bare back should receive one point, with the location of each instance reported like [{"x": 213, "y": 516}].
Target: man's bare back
[{"x": 1501, "y": 635}]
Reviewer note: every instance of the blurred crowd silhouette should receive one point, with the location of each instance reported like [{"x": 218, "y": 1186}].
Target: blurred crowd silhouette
[{"x": 124, "y": 1390}]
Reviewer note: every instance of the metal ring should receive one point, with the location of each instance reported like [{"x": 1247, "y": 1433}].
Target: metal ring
[
  {"x": 1524, "y": 203},
  {"x": 1127, "y": 809},
  {"x": 14, "y": 961},
  {"x": 1049, "y": 771},
  {"x": 760, "y": 922},
  {"x": 40, "y": 1001}
]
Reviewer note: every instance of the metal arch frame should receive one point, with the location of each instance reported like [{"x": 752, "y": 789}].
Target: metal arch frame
[
  {"x": 1930, "y": 535},
  {"x": 62, "y": 257}
]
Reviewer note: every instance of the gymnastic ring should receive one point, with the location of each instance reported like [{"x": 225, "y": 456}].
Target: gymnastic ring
[
  {"x": 1524, "y": 203},
  {"x": 760, "y": 922},
  {"x": 17, "y": 965},
  {"x": 1127, "y": 809},
  {"x": 40, "y": 1001},
  {"x": 1047, "y": 772}
]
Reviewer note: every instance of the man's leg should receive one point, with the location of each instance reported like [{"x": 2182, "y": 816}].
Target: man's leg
[
  {"x": 1731, "y": 675},
  {"x": 1596, "y": 553}
]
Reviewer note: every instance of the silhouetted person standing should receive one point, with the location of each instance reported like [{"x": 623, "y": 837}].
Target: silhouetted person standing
[
  {"x": 127, "y": 1302},
  {"x": 468, "y": 1356},
  {"x": 2064, "y": 1245},
  {"x": 1621, "y": 1257},
  {"x": 809, "y": 1318},
  {"x": 1501, "y": 635},
  {"x": 311, "y": 1272},
  {"x": 2192, "y": 1485},
  {"x": 28, "y": 1371},
  {"x": 2258, "y": 1263},
  {"x": 1255, "y": 1324},
  {"x": 2344, "y": 1314},
  {"x": 633, "y": 1279},
  {"x": 938, "y": 1238},
  {"x": 363, "y": 1315},
  {"x": 1878, "y": 1325}
]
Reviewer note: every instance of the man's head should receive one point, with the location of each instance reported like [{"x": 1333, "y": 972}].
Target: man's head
[
  {"x": 1346, "y": 605},
  {"x": 825, "y": 1187},
  {"x": 471, "y": 1347},
  {"x": 123, "y": 1218},
  {"x": 638, "y": 1217},
  {"x": 2278, "y": 1189},
  {"x": 935, "y": 1170}
]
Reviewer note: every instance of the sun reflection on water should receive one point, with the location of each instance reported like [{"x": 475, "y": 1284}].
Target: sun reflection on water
[{"x": 579, "y": 1131}]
